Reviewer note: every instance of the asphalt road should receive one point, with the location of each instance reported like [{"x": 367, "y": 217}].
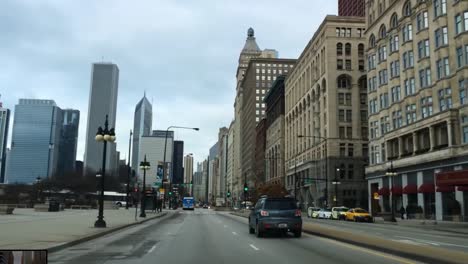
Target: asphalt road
[
  {"x": 205, "y": 236},
  {"x": 411, "y": 235}
]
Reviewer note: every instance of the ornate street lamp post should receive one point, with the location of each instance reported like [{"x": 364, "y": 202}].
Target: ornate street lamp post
[
  {"x": 103, "y": 135},
  {"x": 144, "y": 165},
  {"x": 392, "y": 173}
]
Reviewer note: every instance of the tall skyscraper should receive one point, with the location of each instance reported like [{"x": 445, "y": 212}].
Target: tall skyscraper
[
  {"x": 68, "y": 142},
  {"x": 4, "y": 124},
  {"x": 351, "y": 8},
  {"x": 35, "y": 141},
  {"x": 188, "y": 168},
  {"x": 177, "y": 167},
  {"x": 142, "y": 123},
  {"x": 102, "y": 102}
]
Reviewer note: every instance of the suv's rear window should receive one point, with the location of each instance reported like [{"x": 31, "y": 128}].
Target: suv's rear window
[{"x": 287, "y": 204}]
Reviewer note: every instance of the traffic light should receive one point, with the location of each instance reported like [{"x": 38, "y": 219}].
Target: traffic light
[
  {"x": 170, "y": 193},
  {"x": 246, "y": 188},
  {"x": 228, "y": 194}
]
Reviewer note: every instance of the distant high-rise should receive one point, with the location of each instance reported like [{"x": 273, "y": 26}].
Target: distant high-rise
[
  {"x": 68, "y": 142},
  {"x": 4, "y": 122},
  {"x": 102, "y": 102},
  {"x": 351, "y": 8},
  {"x": 142, "y": 123},
  {"x": 177, "y": 167},
  {"x": 188, "y": 168},
  {"x": 35, "y": 141}
]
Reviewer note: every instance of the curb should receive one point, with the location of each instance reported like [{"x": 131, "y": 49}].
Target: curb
[
  {"x": 100, "y": 234},
  {"x": 414, "y": 252}
]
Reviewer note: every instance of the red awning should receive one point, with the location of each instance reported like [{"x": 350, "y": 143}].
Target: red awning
[
  {"x": 426, "y": 188},
  {"x": 463, "y": 188},
  {"x": 384, "y": 191},
  {"x": 397, "y": 190},
  {"x": 410, "y": 189},
  {"x": 445, "y": 188},
  {"x": 452, "y": 178}
]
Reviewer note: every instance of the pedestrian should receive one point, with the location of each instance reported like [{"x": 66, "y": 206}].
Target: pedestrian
[
  {"x": 402, "y": 212},
  {"x": 154, "y": 203}
]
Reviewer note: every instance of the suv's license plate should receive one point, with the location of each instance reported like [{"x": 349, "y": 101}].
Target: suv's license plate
[{"x": 282, "y": 225}]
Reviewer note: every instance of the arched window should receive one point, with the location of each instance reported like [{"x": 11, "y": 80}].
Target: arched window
[
  {"x": 339, "y": 49},
  {"x": 324, "y": 85},
  {"x": 407, "y": 9},
  {"x": 344, "y": 82},
  {"x": 361, "y": 50},
  {"x": 348, "y": 49},
  {"x": 383, "y": 32},
  {"x": 372, "y": 41},
  {"x": 394, "y": 21}
]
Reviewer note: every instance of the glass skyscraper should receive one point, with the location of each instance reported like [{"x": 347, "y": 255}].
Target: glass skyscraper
[
  {"x": 142, "y": 123},
  {"x": 4, "y": 121},
  {"x": 68, "y": 141},
  {"x": 35, "y": 141}
]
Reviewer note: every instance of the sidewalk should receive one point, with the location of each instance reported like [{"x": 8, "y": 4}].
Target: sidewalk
[{"x": 27, "y": 229}]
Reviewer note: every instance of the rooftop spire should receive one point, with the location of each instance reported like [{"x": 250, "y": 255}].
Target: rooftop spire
[{"x": 250, "y": 43}]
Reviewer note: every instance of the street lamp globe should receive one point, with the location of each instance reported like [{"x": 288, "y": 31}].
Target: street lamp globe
[{"x": 107, "y": 137}]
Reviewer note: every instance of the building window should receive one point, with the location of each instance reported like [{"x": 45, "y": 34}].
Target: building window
[
  {"x": 397, "y": 119},
  {"x": 348, "y": 49},
  {"x": 465, "y": 129},
  {"x": 440, "y": 7},
  {"x": 408, "y": 59},
  {"x": 426, "y": 106},
  {"x": 348, "y": 32},
  {"x": 394, "y": 69},
  {"x": 462, "y": 91},
  {"x": 407, "y": 9},
  {"x": 374, "y": 129},
  {"x": 394, "y": 43},
  {"x": 372, "y": 86},
  {"x": 344, "y": 82},
  {"x": 382, "y": 53},
  {"x": 394, "y": 21},
  {"x": 422, "y": 21},
  {"x": 441, "y": 37},
  {"x": 349, "y": 114},
  {"x": 350, "y": 150},
  {"x": 349, "y": 132},
  {"x": 339, "y": 64},
  {"x": 383, "y": 100},
  {"x": 373, "y": 106},
  {"x": 350, "y": 171},
  {"x": 362, "y": 98},
  {"x": 339, "y": 49},
  {"x": 341, "y": 115},
  {"x": 338, "y": 32},
  {"x": 384, "y": 125},
  {"x": 361, "y": 65},
  {"x": 459, "y": 57},
  {"x": 443, "y": 68},
  {"x": 341, "y": 99},
  {"x": 445, "y": 99},
  {"x": 396, "y": 94},
  {"x": 372, "y": 41},
  {"x": 410, "y": 87},
  {"x": 408, "y": 33},
  {"x": 383, "y": 32},
  {"x": 348, "y": 99},
  {"x": 411, "y": 113},
  {"x": 342, "y": 132},
  {"x": 371, "y": 61},
  {"x": 348, "y": 65},
  {"x": 342, "y": 150},
  {"x": 423, "y": 48},
  {"x": 458, "y": 24},
  {"x": 425, "y": 77},
  {"x": 383, "y": 77},
  {"x": 361, "y": 50}
]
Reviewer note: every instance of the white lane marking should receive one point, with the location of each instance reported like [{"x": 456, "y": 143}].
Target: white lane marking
[
  {"x": 435, "y": 243},
  {"x": 407, "y": 241},
  {"x": 234, "y": 233},
  {"x": 254, "y": 247},
  {"x": 151, "y": 249}
]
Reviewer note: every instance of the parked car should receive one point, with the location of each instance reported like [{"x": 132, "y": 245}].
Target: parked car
[
  {"x": 280, "y": 214},
  {"x": 324, "y": 213},
  {"x": 339, "y": 213},
  {"x": 311, "y": 210},
  {"x": 359, "y": 215}
]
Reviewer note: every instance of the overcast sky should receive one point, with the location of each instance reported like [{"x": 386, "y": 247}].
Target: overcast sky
[{"x": 184, "y": 53}]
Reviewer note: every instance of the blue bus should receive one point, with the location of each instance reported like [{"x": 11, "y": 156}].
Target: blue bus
[{"x": 188, "y": 203}]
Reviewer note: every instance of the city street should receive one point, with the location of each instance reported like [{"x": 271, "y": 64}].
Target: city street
[
  {"x": 205, "y": 236},
  {"x": 425, "y": 235}
]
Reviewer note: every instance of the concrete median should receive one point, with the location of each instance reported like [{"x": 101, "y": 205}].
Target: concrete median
[{"x": 417, "y": 252}]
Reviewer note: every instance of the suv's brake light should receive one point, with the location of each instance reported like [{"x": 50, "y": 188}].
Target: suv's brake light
[
  {"x": 297, "y": 213},
  {"x": 264, "y": 213}
]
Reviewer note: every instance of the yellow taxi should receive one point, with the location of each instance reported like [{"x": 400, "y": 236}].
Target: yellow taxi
[{"x": 359, "y": 215}]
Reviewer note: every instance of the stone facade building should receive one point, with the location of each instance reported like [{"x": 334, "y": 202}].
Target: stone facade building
[
  {"x": 326, "y": 104},
  {"x": 418, "y": 109}
]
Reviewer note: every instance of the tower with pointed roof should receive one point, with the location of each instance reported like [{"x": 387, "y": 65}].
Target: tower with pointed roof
[{"x": 142, "y": 124}]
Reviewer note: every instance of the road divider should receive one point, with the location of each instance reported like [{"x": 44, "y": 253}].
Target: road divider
[{"x": 424, "y": 253}]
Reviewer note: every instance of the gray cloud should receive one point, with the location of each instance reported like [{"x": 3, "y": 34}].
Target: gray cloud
[{"x": 182, "y": 53}]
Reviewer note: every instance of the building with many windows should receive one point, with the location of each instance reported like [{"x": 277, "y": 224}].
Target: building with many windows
[
  {"x": 68, "y": 142},
  {"x": 4, "y": 125},
  {"x": 35, "y": 141},
  {"x": 259, "y": 76},
  {"x": 418, "y": 113},
  {"x": 326, "y": 117}
]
